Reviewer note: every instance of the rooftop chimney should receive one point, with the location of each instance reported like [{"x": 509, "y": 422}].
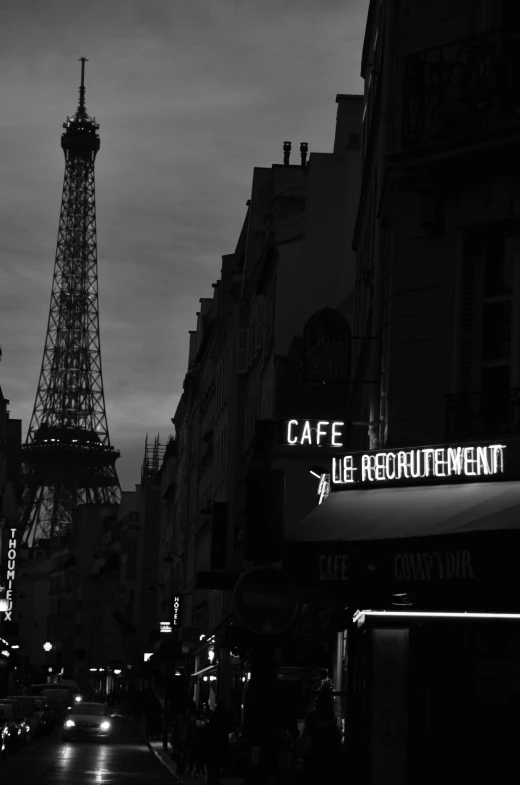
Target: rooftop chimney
[
  {"x": 286, "y": 153},
  {"x": 304, "y": 149}
]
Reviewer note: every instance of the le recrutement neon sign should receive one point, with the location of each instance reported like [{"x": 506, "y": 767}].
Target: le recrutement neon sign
[{"x": 465, "y": 462}]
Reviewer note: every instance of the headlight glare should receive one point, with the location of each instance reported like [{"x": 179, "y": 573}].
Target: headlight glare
[
  {"x": 105, "y": 725},
  {"x": 70, "y": 724}
]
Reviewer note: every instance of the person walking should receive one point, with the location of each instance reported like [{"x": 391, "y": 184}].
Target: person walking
[
  {"x": 153, "y": 712},
  {"x": 197, "y": 764},
  {"x": 184, "y": 741},
  {"x": 216, "y": 745}
]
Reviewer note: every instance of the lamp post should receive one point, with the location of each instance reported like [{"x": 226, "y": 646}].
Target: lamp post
[{"x": 47, "y": 647}]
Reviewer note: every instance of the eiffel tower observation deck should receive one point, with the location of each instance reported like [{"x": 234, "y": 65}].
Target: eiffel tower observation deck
[{"x": 67, "y": 457}]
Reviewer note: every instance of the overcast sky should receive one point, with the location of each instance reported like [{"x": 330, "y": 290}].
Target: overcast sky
[{"x": 190, "y": 96}]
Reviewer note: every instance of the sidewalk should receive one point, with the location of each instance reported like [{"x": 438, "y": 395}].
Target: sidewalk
[{"x": 164, "y": 756}]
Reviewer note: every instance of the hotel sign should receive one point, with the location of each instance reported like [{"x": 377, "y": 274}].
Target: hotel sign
[
  {"x": 176, "y": 612},
  {"x": 419, "y": 466}
]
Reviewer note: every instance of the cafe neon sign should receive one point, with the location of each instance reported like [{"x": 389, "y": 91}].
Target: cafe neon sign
[
  {"x": 427, "y": 462},
  {"x": 313, "y": 433}
]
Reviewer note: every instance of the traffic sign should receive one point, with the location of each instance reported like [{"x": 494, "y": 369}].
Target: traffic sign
[{"x": 265, "y": 600}]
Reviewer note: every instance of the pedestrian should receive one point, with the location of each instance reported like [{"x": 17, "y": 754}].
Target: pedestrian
[
  {"x": 153, "y": 712},
  {"x": 184, "y": 740},
  {"x": 197, "y": 765},
  {"x": 216, "y": 745}
]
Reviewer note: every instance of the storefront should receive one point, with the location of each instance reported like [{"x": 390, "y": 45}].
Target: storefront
[
  {"x": 204, "y": 677},
  {"x": 420, "y": 548}
]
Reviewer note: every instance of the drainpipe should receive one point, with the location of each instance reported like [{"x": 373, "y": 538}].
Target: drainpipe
[{"x": 374, "y": 374}]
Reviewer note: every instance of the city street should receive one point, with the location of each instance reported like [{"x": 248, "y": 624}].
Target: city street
[{"x": 126, "y": 760}]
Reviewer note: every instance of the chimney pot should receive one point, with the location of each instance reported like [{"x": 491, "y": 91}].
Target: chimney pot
[
  {"x": 286, "y": 153},
  {"x": 304, "y": 149}
]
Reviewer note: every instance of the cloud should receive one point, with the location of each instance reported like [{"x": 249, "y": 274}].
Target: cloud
[{"x": 190, "y": 96}]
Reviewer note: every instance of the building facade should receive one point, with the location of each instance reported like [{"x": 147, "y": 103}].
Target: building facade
[
  {"x": 412, "y": 546},
  {"x": 292, "y": 260}
]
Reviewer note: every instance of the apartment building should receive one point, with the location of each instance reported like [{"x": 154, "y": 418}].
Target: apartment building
[
  {"x": 434, "y": 393},
  {"x": 244, "y": 368}
]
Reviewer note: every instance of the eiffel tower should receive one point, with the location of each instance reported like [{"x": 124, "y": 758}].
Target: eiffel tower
[{"x": 67, "y": 458}]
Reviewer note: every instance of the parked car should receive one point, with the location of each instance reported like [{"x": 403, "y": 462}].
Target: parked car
[
  {"x": 30, "y": 713},
  {"x": 6, "y": 733},
  {"x": 60, "y": 697},
  {"x": 19, "y": 716},
  {"x": 47, "y": 719},
  {"x": 15, "y": 727},
  {"x": 87, "y": 720}
]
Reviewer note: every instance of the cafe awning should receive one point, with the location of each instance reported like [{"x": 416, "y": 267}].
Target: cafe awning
[
  {"x": 389, "y": 513},
  {"x": 457, "y": 543}
]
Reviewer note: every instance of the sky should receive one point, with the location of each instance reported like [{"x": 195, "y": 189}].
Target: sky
[{"x": 190, "y": 96}]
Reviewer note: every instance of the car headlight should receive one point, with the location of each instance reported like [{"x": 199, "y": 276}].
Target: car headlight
[
  {"x": 78, "y": 698},
  {"x": 105, "y": 725},
  {"x": 70, "y": 724}
]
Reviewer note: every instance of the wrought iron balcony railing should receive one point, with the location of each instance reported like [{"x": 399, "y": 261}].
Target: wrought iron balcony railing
[
  {"x": 474, "y": 415},
  {"x": 461, "y": 89}
]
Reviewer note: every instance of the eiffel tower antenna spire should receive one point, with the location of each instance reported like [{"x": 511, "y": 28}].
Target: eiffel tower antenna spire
[
  {"x": 82, "y": 60},
  {"x": 67, "y": 458}
]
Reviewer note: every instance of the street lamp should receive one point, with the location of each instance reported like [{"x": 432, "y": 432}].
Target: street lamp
[{"x": 47, "y": 646}]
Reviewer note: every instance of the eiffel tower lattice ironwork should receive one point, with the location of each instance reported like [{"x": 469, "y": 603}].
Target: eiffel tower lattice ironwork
[{"x": 67, "y": 458}]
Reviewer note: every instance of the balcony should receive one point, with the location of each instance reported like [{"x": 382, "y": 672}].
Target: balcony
[
  {"x": 462, "y": 89},
  {"x": 473, "y": 416}
]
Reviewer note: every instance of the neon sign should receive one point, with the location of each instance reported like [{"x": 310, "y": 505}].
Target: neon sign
[
  {"x": 11, "y": 567},
  {"x": 323, "y": 487},
  {"x": 313, "y": 433},
  {"x": 165, "y": 626},
  {"x": 397, "y": 467},
  {"x": 176, "y": 616}
]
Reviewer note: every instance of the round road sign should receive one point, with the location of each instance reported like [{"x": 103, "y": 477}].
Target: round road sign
[{"x": 265, "y": 600}]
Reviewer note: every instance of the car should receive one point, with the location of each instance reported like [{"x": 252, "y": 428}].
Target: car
[
  {"x": 46, "y": 719},
  {"x": 15, "y": 727},
  {"x": 8, "y": 733},
  {"x": 19, "y": 716},
  {"x": 87, "y": 720},
  {"x": 59, "y": 697},
  {"x": 30, "y": 713}
]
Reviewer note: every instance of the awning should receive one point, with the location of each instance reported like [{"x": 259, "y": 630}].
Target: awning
[
  {"x": 386, "y": 513},
  {"x": 460, "y": 543}
]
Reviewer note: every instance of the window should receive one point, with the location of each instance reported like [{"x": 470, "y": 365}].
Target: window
[
  {"x": 489, "y": 345},
  {"x": 242, "y": 350},
  {"x": 131, "y": 559}
]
